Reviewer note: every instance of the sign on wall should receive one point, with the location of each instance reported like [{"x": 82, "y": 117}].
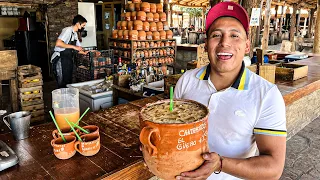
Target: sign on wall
[{"x": 255, "y": 17}]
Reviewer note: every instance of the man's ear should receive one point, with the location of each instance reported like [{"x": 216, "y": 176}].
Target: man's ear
[
  {"x": 205, "y": 45},
  {"x": 248, "y": 43}
]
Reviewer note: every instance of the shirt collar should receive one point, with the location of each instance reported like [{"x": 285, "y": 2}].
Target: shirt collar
[{"x": 241, "y": 82}]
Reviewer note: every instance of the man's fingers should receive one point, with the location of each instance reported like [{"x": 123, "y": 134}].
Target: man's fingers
[{"x": 205, "y": 170}]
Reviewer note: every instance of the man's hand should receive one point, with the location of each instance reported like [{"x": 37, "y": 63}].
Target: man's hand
[
  {"x": 78, "y": 48},
  {"x": 83, "y": 52},
  {"x": 212, "y": 163}
]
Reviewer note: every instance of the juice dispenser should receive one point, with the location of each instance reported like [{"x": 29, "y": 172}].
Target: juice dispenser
[{"x": 65, "y": 103}]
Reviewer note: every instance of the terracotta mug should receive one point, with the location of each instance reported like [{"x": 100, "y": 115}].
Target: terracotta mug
[
  {"x": 64, "y": 150},
  {"x": 65, "y": 132},
  {"x": 92, "y": 129},
  {"x": 172, "y": 148},
  {"x": 90, "y": 145}
]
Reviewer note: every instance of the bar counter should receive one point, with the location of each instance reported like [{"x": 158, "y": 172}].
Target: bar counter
[{"x": 119, "y": 157}]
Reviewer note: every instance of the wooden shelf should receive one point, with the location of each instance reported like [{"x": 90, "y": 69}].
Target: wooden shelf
[
  {"x": 11, "y": 16},
  {"x": 127, "y": 40},
  {"x": 120, "y": 48}
]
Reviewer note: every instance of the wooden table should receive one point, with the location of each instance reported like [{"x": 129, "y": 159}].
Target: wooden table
[
  {"x": 125, "y": 93},
  {"x": 119, "y": 157}
]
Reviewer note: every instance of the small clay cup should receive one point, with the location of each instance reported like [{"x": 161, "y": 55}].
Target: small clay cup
[
  {"x": 64, "y": 150},
  {"x": 92, "y": 128},
  {"x": 90, "y": 145},
  {"x": 65, "y": 132}
]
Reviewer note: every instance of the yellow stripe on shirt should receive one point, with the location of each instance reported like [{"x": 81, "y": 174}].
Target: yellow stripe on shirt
[
  {"x": 203, "y": 74},
  {"x": 242, "y": 81},
  {"x": 270, "y": 132}
]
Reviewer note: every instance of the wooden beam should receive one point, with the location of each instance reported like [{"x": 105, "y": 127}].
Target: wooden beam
[
  {"x": 316, "y": 45},
  {"x": 184, "y": 5},
  {"x": 298, "y": 22},
  {"x": 310, "y": 23},
  {"x": 265, "y": 37},
  {"x": 248, "y": 5},
  {"x": 281, "y": 23},
  {"x": 293, "y": 22}
]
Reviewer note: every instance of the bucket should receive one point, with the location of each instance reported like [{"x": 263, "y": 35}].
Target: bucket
[
  {"x": 19, "y": 123},
  {"x": 171, "y": 147}
]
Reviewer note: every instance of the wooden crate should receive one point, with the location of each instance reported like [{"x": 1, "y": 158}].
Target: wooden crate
[
  {"x": 30, "y": 102},
  {"x": 268, "y": 72},
  {"x": 29, "y": 76},
  {"x": 37, "y": 119},
  {"x": 32, "y": 107},
  {"x": 8, "y": 60},
  {"x": 30, "y": 93},
  {"x": 291, "y": 72}
]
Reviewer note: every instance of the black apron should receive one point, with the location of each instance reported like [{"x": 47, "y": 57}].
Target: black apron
[{"x": 63, "y": 65}]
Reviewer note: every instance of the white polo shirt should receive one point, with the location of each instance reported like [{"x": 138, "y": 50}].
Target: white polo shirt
[{"x": 250, "y": 106}]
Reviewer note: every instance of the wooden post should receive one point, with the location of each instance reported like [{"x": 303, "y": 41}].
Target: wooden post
[
  {"x": 276, "y": 18},
  {"x": 281, "y": 23},
  {"x": 266, "y": 28},
  {"x": 259, "y": 27},
  {"x": 171, "y": 17},
  {"x": 166, "y": 8},
  {"x": 248, "y": 5},
  {"x": 310, "y": 23},
  {"x": 293, "y": 22},
  {"x": 298, "y": 23},
  {"x": 316, "y": 44},
  {"x": 203, "y": 12}
]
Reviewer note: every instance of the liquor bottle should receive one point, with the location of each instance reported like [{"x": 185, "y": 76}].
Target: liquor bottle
[{"x": 119, "y": 67}]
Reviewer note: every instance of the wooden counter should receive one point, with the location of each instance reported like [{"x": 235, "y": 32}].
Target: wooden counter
[{"x": 119, "y": 157}]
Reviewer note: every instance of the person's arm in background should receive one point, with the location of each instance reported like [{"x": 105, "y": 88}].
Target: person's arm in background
[{"x": 64, "y": 37}]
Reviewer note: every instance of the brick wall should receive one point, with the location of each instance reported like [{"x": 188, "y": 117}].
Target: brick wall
[{"x": 59, "y": 16}]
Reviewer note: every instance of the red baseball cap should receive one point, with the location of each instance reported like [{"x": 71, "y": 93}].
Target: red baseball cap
[{"x": 228, "y": 9}]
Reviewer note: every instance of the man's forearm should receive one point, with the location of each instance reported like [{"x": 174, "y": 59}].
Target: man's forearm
[
  {"x": 258, "y": 167},
  {"x": 61, "y": 44}
]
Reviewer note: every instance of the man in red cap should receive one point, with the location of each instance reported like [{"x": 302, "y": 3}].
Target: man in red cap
[{"x": 247, "y": 123}]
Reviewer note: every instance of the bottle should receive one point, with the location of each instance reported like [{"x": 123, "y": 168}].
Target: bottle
[{"x": 119, "y": 68}]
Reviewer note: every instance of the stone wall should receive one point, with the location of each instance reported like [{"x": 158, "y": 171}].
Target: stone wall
[{"x": 60, "y": 15}]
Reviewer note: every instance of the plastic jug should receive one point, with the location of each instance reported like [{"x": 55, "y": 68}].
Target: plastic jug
[{"x": 65, "y": 103}]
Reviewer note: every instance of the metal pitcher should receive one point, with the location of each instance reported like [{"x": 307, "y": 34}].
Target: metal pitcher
[{"x": 19, "y": 123}]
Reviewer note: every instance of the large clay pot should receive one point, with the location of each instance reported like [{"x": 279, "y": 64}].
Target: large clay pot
[
  {"x": 137, "y": 6},
  {"x": 142, "y": 16},
  {"x": 159, "y": 26},
  {"x": 146, "y": 26},
  {"x": 128, "y": 16},
  {"x": 133, "y": 15},
  {"x": 149, "y": 36},
  {"x": 156, "y": 17},
  {"x": 163, "y": 35},
  {"x": 90, "y": 145},
  {"x": 142, "y": 35},
  {"x": 131, "y": 7},
  {"x": 170, "y": 149},
  {"x": 153, "y": 26},
  {"x": 150, "y": 17},
  {"x": 169, "y": 34},
  {"x": 64, "y": 150},
  {"x": 153, "y": 8},
  {"x": 124, "y": 25},
  {"x": 159, "y": 8},
  {"x": 145, "y": 6},
  {"x": 120, "y": 34},
  {"x": 119, "y": 25},
  {"x": 165, "y": 26},
  {"x": 138, "y": 25},
  {"x": 126, "y": 34},
  {"x": 156, "y": 35},
  {"x": 163, "y": 17},
  {"x": 115, "y": 33},
  {"x": 130, "y": 25},
  {"x": 133, "y": 35}
]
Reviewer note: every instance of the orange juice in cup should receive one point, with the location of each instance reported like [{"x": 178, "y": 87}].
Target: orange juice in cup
[
  {"x": 65, "y": 102},
  {"x": 72, "y": 114}
]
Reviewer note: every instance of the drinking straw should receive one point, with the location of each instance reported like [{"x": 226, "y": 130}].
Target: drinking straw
[
  {"x": 54, "y": 120},
  {"x": 75, "y": 125},
  {"x": 83, "y": 115},
  {"x": 171, "y": 98},
  {"x": 75, "y": 132}
]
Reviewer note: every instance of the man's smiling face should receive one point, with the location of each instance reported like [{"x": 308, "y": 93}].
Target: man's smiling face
[{"x": 227, "y": 43}]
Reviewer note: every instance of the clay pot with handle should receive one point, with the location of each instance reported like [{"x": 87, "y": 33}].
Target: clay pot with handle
[
  {"x": 170, "y": 148},
  {"x": 90, "y": 145},
  {"x": 64, "y": 150},
  {"x": 64, "y": 131}
]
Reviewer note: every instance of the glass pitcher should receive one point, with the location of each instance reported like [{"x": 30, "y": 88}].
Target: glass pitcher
[{"x": 65, "y": 103}]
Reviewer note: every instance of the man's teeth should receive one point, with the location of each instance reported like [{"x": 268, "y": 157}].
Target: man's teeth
[{"x": 224, "y": 54}]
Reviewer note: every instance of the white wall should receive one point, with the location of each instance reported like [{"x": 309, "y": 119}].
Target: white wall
[{"x": 87, "y": 10}]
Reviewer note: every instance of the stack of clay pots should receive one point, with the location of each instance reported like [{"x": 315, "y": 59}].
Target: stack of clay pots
[{"x": 143, "y": 21}]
